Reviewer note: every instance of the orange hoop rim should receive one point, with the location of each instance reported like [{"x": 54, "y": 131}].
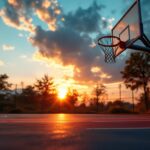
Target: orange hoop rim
[{"x": 109, "y": 37}]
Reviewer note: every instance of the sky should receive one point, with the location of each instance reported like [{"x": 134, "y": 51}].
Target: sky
[{"x": 57, "y": 37}]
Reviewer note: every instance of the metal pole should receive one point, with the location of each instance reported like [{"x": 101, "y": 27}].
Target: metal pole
[
  {"x": 120, "y": 92},
  {"x": 16, "y": 88},
  {"x": 140, "y": 48},
  {"x": 140, "y": 16},
  {"x": 22, "y": 86},
  {"x": 148, "y": 94},
  {"x": 15, "y": 96},
  {"x": 133, "y": 99}
]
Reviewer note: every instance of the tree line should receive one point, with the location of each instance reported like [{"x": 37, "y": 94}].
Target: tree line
[{"x": 42, "y": 96}]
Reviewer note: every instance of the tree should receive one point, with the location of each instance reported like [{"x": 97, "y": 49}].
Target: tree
[
  {"x": 28, "y": 100},
  {"x": 4, "y": 91},
  {"x": 99, "y": 90},
  {"x": 46, "y": 90},
  {"x": 28, "y": 91},
  {"x": 71, "y": 99},
  {"x": 85, "y": 99},
  {"x": 45, "y": 85},
  {"x": 4, "y": 85},
  {"x": 72, "y": 96},
  {"x": 136, "y": 73}
]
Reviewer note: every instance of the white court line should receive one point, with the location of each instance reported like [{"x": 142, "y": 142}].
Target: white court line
[
  {"x": 123, "y": 121},
  {"x": 139, "y": 128},
  {"x": 63, "y": 121}
]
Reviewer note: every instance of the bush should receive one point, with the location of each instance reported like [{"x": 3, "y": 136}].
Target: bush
[
  {"x": 119, "y": 110},
  {"x": 16, "y": 111}
]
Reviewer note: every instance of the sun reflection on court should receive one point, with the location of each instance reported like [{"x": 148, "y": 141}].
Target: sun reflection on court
[
  {"x": 61, "y": 129},
  {"x": 61, "y": 118}
]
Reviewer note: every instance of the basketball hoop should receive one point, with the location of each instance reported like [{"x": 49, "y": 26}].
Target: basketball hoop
[
  {"x": 123, "y": 36},
  {"x": 109, "y": 44}
]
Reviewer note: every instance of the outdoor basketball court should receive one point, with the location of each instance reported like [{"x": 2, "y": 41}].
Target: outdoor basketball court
[
  {"x": 90, "y": 131},
  {"x": 75, "y": 132}
]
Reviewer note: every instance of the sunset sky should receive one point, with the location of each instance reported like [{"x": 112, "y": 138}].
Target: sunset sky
[{"x": 57, "y": 38}]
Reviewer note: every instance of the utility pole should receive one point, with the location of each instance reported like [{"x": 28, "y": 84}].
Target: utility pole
[
  {"x": 22, "y": 86},
  {"x": 148, "y": 95},
  {"x": 132, "y": 89},
  {"x": 120, "y": 92},
  {"x": 133, "y": 99},
  {"x": 16, "y": 88}
]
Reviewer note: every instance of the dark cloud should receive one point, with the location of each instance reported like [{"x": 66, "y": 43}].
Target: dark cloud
[
  {"x": 85, "y": 20},
  {"x": 12, "y": 14},
  {"x": 70, "y": 47},
  {"x": 18, "y": 13},
  {"x": 65, "y": 43}
]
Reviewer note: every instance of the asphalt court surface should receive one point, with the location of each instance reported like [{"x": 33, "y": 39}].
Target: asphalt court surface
[{"x": 73, "y": 132}]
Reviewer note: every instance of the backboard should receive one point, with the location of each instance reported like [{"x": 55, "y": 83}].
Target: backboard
[{"x": 129, "y": 27}]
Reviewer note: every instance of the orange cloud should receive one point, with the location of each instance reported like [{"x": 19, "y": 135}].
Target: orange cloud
[
  {"x": 105, "y": 76},
  {"x": 58, "y": 69},
  {"x": 17, "y": 14},
  {"x": 95, "y": 69},
  {"x": 45, "y": 16},
  {"x": 1, "y": 63},
  {"x": 13, "y": 2},
  {"x": 46, "y": 4},
  {"x": 22, "y": 23}
]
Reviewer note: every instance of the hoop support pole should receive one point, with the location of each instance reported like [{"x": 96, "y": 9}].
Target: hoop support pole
[
  {"x": 140, "y": 48},
  {"x": 145, "y": 40}
]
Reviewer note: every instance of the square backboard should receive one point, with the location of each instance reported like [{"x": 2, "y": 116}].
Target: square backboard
[{"x": 129, "y": 27}]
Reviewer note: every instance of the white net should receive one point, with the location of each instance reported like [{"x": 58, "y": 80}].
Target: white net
[
  {"x": 108, "y": 50},
  {"x": 109, "y": 54}
]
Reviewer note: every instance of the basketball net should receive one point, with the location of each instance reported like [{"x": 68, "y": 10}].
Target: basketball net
[{"x": 108, "y": 50}]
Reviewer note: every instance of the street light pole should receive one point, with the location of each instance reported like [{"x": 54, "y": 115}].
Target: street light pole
[
  {"x": 133, "y": 99},
  {"x": 120, "y": 92},
  {"x": 16, "y": 88}
]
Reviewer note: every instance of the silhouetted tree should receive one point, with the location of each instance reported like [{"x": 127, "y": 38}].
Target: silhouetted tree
[
  {"x": 46, "y": 90},
  {"x": 28, "y": 100},
  {"x": 45, "y": 85},
  {"x": 136, "y": 73},
  {"x": 85, "y": 99},
  {"x": 4, "y": 92},
  {"x": 71, "y": 99},
  {"x": 4, "y": 84},
  {"x": 119, "y": 107},
  {"x": 73, "y": 96},
  {"x": 99, "y": 90},
  {"x": 28, "y": 91}
]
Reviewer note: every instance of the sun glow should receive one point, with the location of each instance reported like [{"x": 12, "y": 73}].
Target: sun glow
[{"x": 62, "y": 92}]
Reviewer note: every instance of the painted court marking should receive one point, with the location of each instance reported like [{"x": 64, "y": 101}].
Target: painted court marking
[{"x": 141, "y": 128}]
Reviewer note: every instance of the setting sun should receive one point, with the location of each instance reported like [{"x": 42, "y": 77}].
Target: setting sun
[{"x": 62, "y": 92}]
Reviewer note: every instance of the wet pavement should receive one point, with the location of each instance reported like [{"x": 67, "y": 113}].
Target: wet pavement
[{"x": 74, "y": 132}]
